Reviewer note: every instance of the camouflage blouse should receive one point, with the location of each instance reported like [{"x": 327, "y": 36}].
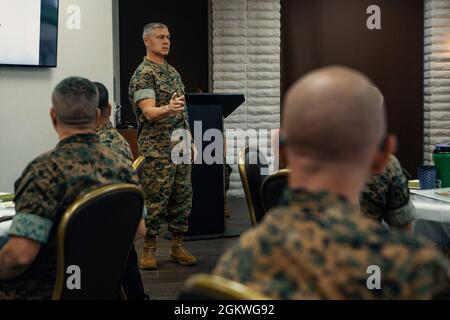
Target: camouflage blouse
[
  {"x": 110, "y": 137},
  {"x": 386, "y": 196},
  {"x": 159, "y": 82},
  {"x": 321, "y": 247},
  {"x": 48, "y": 185}
]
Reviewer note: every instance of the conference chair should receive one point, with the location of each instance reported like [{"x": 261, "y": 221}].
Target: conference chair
[
  {"x": 252, "y": 175},
  {"x": 273, "y": 187},
  {"x": 212, "y": 287},
  {"x": 138, "y": 165},
  {"x": 94, "y": 239}
]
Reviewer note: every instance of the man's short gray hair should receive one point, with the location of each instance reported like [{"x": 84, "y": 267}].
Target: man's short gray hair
[
  {"x": 75, "y": 101},
  {"x": 152, "y": 26}
]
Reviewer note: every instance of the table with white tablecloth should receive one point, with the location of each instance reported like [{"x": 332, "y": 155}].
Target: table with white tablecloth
[{"x": 432, "y": 217}]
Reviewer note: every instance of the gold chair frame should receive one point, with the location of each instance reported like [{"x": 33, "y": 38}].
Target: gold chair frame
[
  {"x": 213, "y": 285},
  {"x": 71, "y": 210}
]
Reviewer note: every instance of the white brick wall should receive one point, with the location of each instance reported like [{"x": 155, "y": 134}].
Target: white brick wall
[
  {"x": 437, "y": 75},
  {"x": 246, "y": 59}
]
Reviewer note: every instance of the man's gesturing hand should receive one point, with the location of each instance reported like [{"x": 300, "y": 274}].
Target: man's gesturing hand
[{"x": 176, "y": 104}]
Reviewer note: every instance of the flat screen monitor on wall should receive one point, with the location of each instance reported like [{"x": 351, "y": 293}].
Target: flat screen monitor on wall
[{"x": 28, "y": 32}]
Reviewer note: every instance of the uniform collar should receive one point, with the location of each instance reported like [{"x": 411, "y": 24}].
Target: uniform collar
[
  {"x": 83, "y": 138},
  {"x": 154, "y": 63},
  {"x": 106, "y": 126},
  {"x": 321, "y": 199}
]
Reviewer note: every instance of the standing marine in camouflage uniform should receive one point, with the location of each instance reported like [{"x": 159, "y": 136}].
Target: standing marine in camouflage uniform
[
  {"x": 79, "y": 164},
  {"x": 386, "y": 197},
  {"x": 157, "y": 95},
  {"x": 320, "y": 246}
]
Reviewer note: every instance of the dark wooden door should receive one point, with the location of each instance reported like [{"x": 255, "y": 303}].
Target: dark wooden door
[{"x": 318, "y": 33}]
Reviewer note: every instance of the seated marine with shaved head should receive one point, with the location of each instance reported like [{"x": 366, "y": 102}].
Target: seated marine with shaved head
[
  {"x": 78, "y": 164},
  {"x": 320, "y": 246}
]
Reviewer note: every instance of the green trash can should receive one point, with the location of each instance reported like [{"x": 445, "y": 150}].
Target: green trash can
[{"x": 441, "y": 159}]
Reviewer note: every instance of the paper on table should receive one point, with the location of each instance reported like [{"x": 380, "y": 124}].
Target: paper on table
[
  {"x": 413, "y": 184},
  {"x": 7, "y": 205}
]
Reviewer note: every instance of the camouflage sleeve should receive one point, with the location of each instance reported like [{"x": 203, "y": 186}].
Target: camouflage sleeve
[
  {"x": 123, "y": 149},
  {"x": 399, "y": 208},
  {"x": 386, "y": 196},
  {"x": 142, "y": 87},
  {"x": 129, "y": 154},
  {"x": 235, "y": 264},
  {"x": 372, "y": 200},
  {"x": 430, "y": 277},
  {"x": 135, "y": 178},
  {"x": 38, "y": 194},
  {"x": 401, "y": 217}
]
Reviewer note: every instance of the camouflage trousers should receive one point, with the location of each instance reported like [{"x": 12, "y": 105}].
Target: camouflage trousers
[{"x": 168, "y": 195}]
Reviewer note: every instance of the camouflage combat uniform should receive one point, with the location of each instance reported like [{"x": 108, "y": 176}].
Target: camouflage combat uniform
[
  {"x": 321, "y": 246},
  {"x": 48, "y": 185},
  {"x": 113, "y": 139},
  {"x": 167, "y": 186},
  {"x": 386, "y": 196}
]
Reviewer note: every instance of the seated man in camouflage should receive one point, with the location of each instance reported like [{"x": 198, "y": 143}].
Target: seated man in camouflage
[
  {"x": 107, "y": 133},
  {"x": 320, "y": 246},
  {"x": 386, "y": 197},
  {"x": 49, "y": 184}
]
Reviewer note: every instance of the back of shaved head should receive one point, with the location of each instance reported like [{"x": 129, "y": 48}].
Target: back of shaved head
[
  {"x": 334, "y": 114},
  {"x": 75, "y": 101}
]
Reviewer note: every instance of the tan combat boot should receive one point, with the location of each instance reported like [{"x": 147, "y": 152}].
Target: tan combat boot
[
  {"x": 179, "y": 253},
  {"x": 148, "y": 256}
]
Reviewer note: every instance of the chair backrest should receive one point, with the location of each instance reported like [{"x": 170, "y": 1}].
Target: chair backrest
[
  {"x": 273, "y": 187},
  {"x": 94, "y": 239},
  {"x": 251, "y": 164},
  {"x": 212, "y": 287},
  {"x": 138, "y": 165}
]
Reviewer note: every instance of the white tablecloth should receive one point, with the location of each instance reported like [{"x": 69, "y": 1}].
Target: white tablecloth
[
  {"x": 432, "y": 219},
  {"x": 4, "y": 226}
]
